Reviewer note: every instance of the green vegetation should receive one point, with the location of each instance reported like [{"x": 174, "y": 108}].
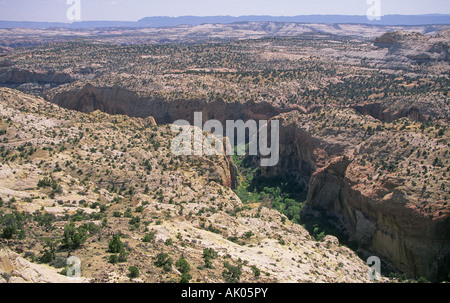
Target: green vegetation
[
  {"x": 73, "y": 237},
  {"x": 115, "y": 245},
  {"x": 149, "y": 237},
  {"x": 163, "y": 260},
  {"x": 49, "y": 252},
  {"x": 49, "y": 182},
  {"x": 133, "y": 272},
  {"x": 101, "y": 174},
  {"x": 12, "y": 224},
  {"x": 231, "y": 274},
  {"x": 288, "y": 197},
  {"x": 208, "y": 255},
  {"x": 184, "y": 268},
  {"x": 256, "y": 271},
  {"x": 281, "y": 193}
]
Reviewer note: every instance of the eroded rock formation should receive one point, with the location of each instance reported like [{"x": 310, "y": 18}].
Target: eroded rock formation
[{"x": 382, "y": 220}]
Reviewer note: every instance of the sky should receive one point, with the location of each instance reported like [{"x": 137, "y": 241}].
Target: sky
[{"x": 133, "y": 10}]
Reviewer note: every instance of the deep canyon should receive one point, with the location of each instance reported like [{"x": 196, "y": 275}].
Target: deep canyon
[{"x": 383, "y": 222}]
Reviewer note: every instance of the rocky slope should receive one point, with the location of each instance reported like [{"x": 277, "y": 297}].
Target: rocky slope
[
  {"x": 117, "y": 173},
  {"x": 15, "y": 269},
  {"x": 370, "y": 183},
  {"x": 23, "y": 37},
  {"x": 15, "y": 76},
  {"x": 406, "y": 48},
  {"x": 364, "y": 131},
  {"x": 320, "y": 153}
]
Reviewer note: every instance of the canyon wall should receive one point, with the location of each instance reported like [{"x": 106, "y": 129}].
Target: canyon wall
[
  {"x": 382, "y": 113},
  {"x": 19, "y": 76},
  {"x": 115, "y": 100},
  {"x": 119, "y": 101},
  {"x": 384, "y": 225},
  {"x": 387, "y": 226}
]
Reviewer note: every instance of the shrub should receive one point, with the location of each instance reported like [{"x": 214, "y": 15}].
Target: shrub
[
  {"x": 139, "y": 209},
  {"x": 91, "y": 227},
  {"x": 184, "y": 268},
  {"x": 113, "y": 259},
  {"x": 183, "y": 265},
  {"x": 44, "y": 219},
  {"x": 208, "y": 254},
  {"x": 185, "y": 278},
  {"x": 135, "y": 222},
  {"x": 8, "y": 232},
  {"x": 128, "y": 214},
  {"x": 248, "y": 235},
  {"x": 134, "y": 272},
  {"x": 163, "y": 260},
  {"x": 256, "y": 271},
  {"x": 49, "y": 253},
  {"x": 59, "y": 262},
  {"x": 231, "y": 274},
  {"x": 73, "y": 238},
  {"x": 115, "y": 245},
  {"x": 422, "y": 280},
  {"x": 149, "y": 237},
  {"x": 122, "y": 256},
  {"x": 45, "y": 182}
]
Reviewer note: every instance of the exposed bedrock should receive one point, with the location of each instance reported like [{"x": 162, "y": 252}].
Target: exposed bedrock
[
  {"x": 380, "y": 112},
  {"x": 115, "y": 100},
  {"x": 387, "y": 226},
  {"x": 18, "y": 76},
  {"x": 384, "y": 225}
]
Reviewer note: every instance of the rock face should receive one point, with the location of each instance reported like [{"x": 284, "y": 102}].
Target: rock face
[
  {"x": 385, "y": 225},
  {"x": 381, "y": 112},
  {"x": 15, "y": 269},
  {"x": 114, "y": 100},
  {"x": 384, "y": 221},
  {"x": 189, "y": 206},
  {"x": 404, "y": 47},
  {"x": 298, "y": 155},
  {"x": 17, "y": 76}
]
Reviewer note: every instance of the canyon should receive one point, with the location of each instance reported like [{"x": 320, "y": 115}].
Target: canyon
[
  {"x": 383, "y": 221},
  {"x": 363, "y": 132}
]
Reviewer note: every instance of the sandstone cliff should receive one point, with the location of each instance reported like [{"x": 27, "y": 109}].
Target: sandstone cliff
[
  {"x": 19, "y": 76},
  {"x": 115, "y": 100},
  {"x": 380, "y": 210},
  {"x": 107, "y": 166}
]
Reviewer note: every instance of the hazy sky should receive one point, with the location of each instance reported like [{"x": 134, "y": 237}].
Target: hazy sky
[{"x": 132, "y": 10}]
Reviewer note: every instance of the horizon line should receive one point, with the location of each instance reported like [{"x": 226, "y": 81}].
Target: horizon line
[{"x": 230, "y": 16}]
